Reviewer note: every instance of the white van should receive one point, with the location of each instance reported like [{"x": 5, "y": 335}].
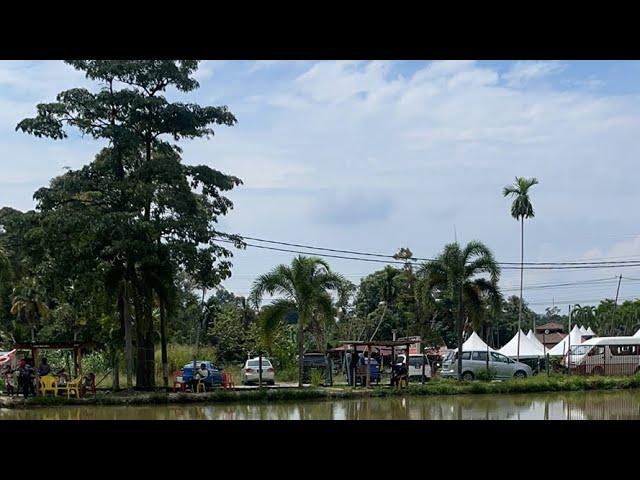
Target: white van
[
  {"x": 415, "y": 365},
  {"x": 605, "y": 356}
]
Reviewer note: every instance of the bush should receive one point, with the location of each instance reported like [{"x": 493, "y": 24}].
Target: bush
[
  {"x": 317, "y": 377},
  {"x": 487, "y": 374}
]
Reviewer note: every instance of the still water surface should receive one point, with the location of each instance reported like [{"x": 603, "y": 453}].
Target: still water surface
[{"x": 611, "y": 405}]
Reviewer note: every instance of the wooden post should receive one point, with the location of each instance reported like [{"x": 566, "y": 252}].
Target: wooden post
[
  {"x": 407, "y": 356},
  {"x": 80, "y": 361},
  {"x": 75, "y": 362},
  {"x": 368, "y": 365}
]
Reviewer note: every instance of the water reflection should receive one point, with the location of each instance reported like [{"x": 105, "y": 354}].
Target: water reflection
[{"x": 615, "y": 405}]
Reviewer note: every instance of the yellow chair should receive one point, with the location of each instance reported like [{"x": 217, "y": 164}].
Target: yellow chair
[
  {"x": 48, "y": 383},
  {"x": 200, "y": 384},
  {"x": 74, "y": 385}
]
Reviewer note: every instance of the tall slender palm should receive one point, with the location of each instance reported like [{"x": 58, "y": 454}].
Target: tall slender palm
[
  {"x": 454, "y": 279},
  {"x": 305, "y": 288},
  {"x": 521, "y": 208}
]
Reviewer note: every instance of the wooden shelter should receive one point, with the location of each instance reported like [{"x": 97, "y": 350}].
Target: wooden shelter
[
  {"x": 356, "y": 345},
  {"x": 75, "y": 347}
]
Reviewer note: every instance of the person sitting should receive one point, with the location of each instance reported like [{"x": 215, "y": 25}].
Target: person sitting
[
  {"x": 89, "y": 384},
  {"x": 201, "y": 375},
  {"x": 44, "y": 368},
  {"x": 62, "y": 378}
]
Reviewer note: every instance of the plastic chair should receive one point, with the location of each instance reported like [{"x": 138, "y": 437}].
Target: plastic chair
[
  {"x": 178, "y": 384},
  {"x": 227, "y": 381},
  {"x": 48, "y": 383},
  {"x": 74, "y": 385},
  {"x": 200, "y": 385}
]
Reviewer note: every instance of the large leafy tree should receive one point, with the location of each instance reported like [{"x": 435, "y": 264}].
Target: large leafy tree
[
  {"x": 305, "y": 288},
  {"x": 463, "y": 281},
  {"x": 146, "y": 215},
  {"x": 521, "y": 208}
]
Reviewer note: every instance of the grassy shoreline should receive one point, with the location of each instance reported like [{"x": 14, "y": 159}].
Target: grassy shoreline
[{"x": 539, "y": 384}]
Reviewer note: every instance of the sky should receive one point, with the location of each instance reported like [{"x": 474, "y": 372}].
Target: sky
[{"x": 376, "y": 155}]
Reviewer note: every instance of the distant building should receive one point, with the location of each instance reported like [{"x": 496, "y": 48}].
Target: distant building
[{"x": 550, "y": 334}]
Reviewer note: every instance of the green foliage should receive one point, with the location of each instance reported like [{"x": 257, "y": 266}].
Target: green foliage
[
  {"x": 305, "y": 287},
  {"x": 521, "y": 207},
  {"x": 317, "y": 377},
  {"x": 487, "y": 375}
]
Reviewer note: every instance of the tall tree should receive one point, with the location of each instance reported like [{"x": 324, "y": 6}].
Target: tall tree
[
  {"x": 454, "y": 278},
  {"x": 305, "y": 288},
  {"x": 142, "y": 198},
  {"x": 521, "y": 208}
]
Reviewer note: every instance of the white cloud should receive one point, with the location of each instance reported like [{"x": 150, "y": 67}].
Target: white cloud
[
  {"x": 437, "y": 142},
  {"x": 522, "y": 72}
]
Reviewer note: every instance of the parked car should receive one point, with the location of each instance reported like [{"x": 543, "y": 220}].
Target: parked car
[
  {"x": 251, "y": 372},
  {"x": 215, "y": 374},
  {"x": 474, "y": 362},
  {"x": 415, "y": 365},
  {"x": 313, "y": 361}
]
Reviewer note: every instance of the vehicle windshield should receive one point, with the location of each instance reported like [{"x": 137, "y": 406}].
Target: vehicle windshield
[
  {"x": 581, "y": 349},
  {"x": 255, "y": 363}
]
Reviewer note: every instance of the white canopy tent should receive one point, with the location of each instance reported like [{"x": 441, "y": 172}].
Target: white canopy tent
[
  {"x": 474, "y": 342},
  {"x": 532, "y": 336},
  {"x": 637, "y": 334},
  {"x": 583, "y": 330},
  {"x": 574, "y": 338},
  {"x": 591, "y": 332},
  {"x": 528, "y": 349}
]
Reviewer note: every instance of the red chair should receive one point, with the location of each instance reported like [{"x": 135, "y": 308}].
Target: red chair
[
  {"x": 177, "y": 381},
  {"x": 227, "y": 381}
]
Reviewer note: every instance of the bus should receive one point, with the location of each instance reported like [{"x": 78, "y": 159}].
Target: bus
[{"x": 605, "y": 356}]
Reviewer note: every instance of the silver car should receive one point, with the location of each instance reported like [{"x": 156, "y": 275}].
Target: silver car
[{"x": 474, "y": 362}]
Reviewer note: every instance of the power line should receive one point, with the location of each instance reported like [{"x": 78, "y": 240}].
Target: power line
[
  {"x": 508, "y": 267},
  {"x": 427, "y": 259}
]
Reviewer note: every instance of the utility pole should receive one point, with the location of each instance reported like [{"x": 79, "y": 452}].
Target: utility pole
[{"x": 615, "y": 305}]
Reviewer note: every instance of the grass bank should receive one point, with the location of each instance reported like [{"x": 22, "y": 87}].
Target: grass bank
[{"x": 539, "y": 384}]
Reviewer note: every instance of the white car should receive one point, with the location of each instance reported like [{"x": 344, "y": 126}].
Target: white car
[
  {"x": 250, "y": 372},
  {"x": 415, "y": 365}
]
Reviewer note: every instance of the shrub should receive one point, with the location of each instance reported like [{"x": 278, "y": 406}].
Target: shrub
[{"x": 487, "y": 375}]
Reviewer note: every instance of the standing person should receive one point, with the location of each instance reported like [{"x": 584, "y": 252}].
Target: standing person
[
  {"x": 8, "y": 380},
  {"x": 20, "y": 371}
]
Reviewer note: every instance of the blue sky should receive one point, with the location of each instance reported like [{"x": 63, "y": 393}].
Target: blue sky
[{"x": 375, "y": 155}]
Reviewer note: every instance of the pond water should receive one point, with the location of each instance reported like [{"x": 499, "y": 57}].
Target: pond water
[{"x": 609, "y": 405}]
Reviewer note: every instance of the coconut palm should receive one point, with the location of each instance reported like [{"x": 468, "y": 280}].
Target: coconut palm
[
  {"x": 521, "y": 208},
  {"x": 454, "y": 279},
  {"x": 29, "y": 303},
  {"x": 305, "y": 288}
]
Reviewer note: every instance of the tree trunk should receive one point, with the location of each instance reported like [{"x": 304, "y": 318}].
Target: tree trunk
[
  {"x": 521, "y": 280},
  {"x": 300, "y": 351},
  {"x": 128, "y": 343},
  {"x": 200, "y": 321},
  {"x": 460, "y": 324},
  {"x": 116, "y": 371},
  {"x": 163, "y": 343}
]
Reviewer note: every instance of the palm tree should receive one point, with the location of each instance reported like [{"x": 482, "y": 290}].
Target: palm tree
[
  {"x": 521, "y": 208},
  {"x": 29, "y": 303},
  {"x": 453, "y": 280},
  {"x": 305, "y": 287}
]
